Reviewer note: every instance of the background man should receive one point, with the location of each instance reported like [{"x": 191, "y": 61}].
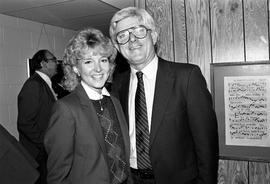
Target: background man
[{"x": 35, "y": 101}]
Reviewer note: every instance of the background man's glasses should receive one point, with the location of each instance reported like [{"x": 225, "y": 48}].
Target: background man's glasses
[
  {"x": 124, "y": 36},
  {"x": 54, "y": 60}
]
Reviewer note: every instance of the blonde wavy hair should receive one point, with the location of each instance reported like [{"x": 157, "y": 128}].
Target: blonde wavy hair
[{"x": 86, "y": 40}]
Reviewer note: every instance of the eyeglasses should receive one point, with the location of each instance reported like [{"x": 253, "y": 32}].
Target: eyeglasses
[
  {"x": 51, "y": 59},
  {"x": 138, "y": 31}
]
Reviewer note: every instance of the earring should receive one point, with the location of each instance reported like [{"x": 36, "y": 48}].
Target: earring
[{"x": 76, "y": 71}]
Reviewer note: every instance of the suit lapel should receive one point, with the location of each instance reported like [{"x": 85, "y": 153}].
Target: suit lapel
[
  {"x": 124, "y": 93},
  {"x": 90, "y": 112},
  {"x": 163, "y": 88}
]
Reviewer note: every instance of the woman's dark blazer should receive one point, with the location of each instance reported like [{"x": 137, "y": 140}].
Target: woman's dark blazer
[{"x": 75, "y": 144}]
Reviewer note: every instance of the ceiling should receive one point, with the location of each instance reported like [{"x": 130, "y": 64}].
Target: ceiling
[{"x": 70, "y": 14}]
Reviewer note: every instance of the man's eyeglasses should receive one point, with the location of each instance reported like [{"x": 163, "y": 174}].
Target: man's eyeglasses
[
  {"x": 54, "y": 60},
  {"x": 124, "y": 36}
]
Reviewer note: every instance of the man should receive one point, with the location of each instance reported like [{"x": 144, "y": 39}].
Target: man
[
  {"x": 171, "y": 101},
  {"x": 35, "y": 101}
]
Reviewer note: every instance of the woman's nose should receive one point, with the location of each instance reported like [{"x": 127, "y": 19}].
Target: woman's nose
[{"x": 97, "y": 66}]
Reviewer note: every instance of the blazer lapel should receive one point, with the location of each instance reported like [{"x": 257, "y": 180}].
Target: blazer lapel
[
  {"x": 164, "y": 83},
  {"x": 123, "y": 125},
  {"x": 90, "y": 112}
]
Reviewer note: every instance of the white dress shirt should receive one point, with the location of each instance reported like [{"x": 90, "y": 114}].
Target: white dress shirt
[
  {"x": 149, "y": 80},
  {"x": 92, "y": 94},
  {"x": 48, "y": 81}
]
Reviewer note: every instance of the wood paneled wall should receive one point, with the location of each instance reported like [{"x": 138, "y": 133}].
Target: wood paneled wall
[{"x": 215, "y": 31}]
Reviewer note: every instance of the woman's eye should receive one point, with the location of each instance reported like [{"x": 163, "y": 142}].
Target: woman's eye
[
  {"x": 88, "y": 61},
  {"x": 105, "y": 60}
]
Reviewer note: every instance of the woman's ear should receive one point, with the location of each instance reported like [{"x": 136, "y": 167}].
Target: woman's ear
[
  {"x": 112, "y": 67},
  {"x": 110, "y": 78},
  {"x": 75, "y": 69}
]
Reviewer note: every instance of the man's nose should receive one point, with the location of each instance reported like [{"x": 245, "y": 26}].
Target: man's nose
[{"x": 132, "y": 37}]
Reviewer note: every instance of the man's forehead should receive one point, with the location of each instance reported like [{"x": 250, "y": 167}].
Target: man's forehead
[{"x": 127, "y": 22}]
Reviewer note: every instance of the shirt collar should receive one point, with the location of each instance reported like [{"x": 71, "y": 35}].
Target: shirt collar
[
  {"x": 149, "y": 70},
  {"x": 92, "y": 94},
  {"x": 45, "y": 77}
]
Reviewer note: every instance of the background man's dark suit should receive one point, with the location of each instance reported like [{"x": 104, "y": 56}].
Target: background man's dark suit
[
  {"x": 79, "y": 157},
  {"x": 35, "y": 101},
  {"x": 16, "y": 165},
  {"x": 183, "y": 136}
]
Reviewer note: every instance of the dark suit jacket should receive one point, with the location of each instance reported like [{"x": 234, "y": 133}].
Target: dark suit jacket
[
  {"x": 35, "y": 101},
  {"x": 75, "y": 144},
  {"x": 16, "y": 164},
  {"x": 183, "y": 137},
  {"x": 59, "y": 90}
]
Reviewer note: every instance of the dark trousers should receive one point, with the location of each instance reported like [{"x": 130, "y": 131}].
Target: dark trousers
[
  {"x": 142, "y": 177},
  {"x": 42, "y": 168}
]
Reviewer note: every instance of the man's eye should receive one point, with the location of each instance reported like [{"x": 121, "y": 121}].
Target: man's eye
[
  {"x": 140, "y": 29},
  {"x": 122, "y": 35}
]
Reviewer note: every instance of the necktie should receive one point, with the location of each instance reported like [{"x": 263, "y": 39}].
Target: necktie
[{"x": 142, "y": 130}]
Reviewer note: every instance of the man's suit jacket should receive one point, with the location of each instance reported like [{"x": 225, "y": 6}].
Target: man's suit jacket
[
  {"x": 75, "y": 144},
  {"x": 183, "y": 137},
  {"x": 16, "y": 164},
  {"x": 35, "y": 101}
]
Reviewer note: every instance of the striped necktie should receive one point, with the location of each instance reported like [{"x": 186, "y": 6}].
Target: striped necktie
[{"x": 142, "y": 129}]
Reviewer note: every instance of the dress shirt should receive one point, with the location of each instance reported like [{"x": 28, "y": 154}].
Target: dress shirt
[
  {"x": 149, "y": 80},
  {"x": 92, "y": 94},
  {"x": 48, "y": 82}
]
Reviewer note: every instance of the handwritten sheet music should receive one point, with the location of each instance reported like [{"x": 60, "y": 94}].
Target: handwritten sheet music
[{"x": 247, "y": 110}]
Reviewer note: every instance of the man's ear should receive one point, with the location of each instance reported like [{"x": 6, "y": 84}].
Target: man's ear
[
  {"x": 43, "y": 64},
  {"x": 154, "y": 36},
  {"x": 116, "y": 46}
]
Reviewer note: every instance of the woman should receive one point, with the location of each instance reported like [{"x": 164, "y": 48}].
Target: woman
[{"x": 87, "y": 138}]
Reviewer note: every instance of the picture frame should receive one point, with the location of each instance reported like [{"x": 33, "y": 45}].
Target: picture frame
[{"x": 220, "y": 73}]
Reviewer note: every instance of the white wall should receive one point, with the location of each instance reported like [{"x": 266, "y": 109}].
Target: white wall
[{"x": 19, "y": 40}]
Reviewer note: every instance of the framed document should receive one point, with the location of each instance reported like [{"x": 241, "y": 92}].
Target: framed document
[{"x": 241, "y": 95}]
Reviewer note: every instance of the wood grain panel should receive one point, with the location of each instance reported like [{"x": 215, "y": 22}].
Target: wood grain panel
[
  {"x": 140, "y": 3},
  {"x": 256, "y": 30},
  {"x": 233, "y": 172},
  {"x": 179, "y": 31},
  {"x": 161, "y": 11},
  {"x": 227, "y": 30},
  {"x": 259, "y": 173},
  {"x": 227, "y": 36},
  {"x": 198, "y": 35}
]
